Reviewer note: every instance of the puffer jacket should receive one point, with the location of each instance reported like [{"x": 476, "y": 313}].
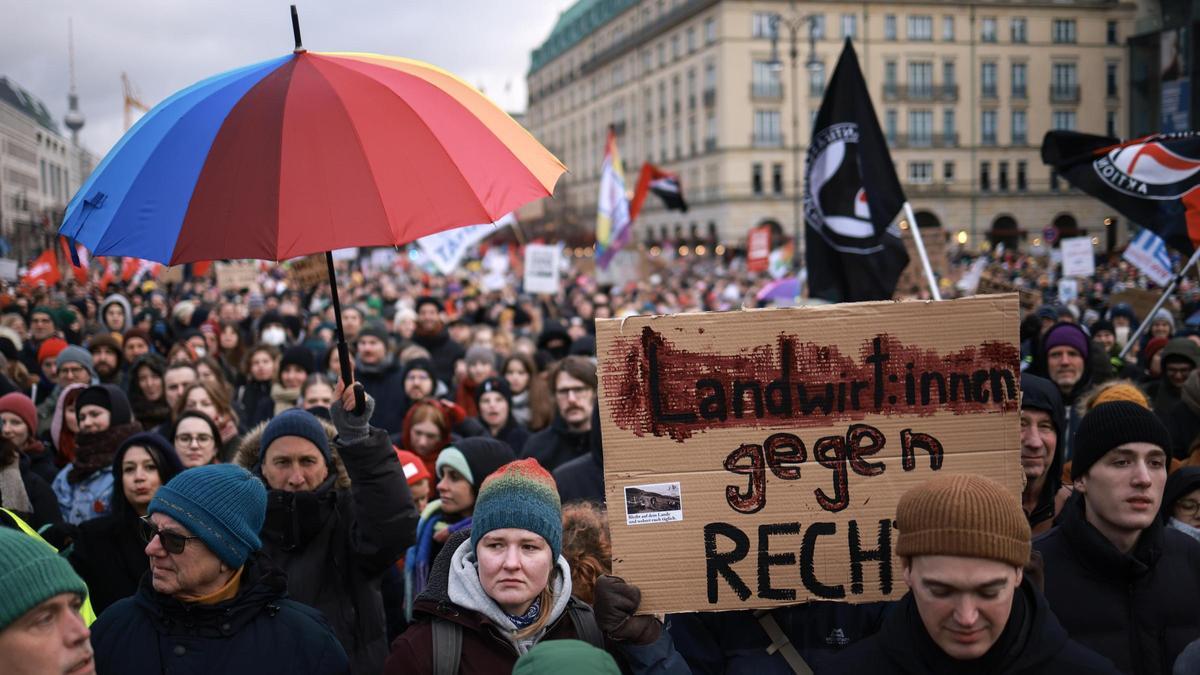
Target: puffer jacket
[
  {"x": 1139, "y": 609},
  {"x": 336, "y": 542},
  {"x": 258, "y": 631}
]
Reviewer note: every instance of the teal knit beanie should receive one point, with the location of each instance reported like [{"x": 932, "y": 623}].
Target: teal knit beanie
[
  {"x": 223, "y": 504},
  {"x": 519, "y": 495},
  {"x": 31, "y": 573}
]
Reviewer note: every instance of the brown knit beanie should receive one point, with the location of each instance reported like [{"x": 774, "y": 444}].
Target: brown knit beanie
[
  {"x": 962, "y": 515},
  {"x": 1121, "y": 391}
]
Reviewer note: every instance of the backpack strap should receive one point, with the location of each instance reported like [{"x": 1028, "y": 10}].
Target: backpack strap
[
  {"x": 447, "y": 647},
  {"x": 780, "y": 643},
  {"x": 585, "y": 624}
]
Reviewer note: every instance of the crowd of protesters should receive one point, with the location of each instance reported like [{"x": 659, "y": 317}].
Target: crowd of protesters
[{"x": 201, "y": 480}]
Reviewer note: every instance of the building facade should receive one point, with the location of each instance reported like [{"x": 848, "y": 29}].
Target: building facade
[
  {"x": 963, "y": 91},
  {"x": 40, "y": 170}
]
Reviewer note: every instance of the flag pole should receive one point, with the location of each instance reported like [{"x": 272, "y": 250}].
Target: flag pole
[
  {"x": 912, "y": 227},
  {"x": 1158, "y": 305}
]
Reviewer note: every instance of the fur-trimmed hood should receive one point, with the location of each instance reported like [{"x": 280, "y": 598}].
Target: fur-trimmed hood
[{"x": 248, "y": 451}]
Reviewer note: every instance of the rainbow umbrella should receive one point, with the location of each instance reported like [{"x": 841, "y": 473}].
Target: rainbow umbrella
[{"x": 306, "y": 153}]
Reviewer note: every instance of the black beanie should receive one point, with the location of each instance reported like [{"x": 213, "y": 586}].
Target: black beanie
[
  {"x": 297, "y": 356},
  {"x": 374, "y": 330},
  {"x": 110, "y": 397},
  {"x": 496, "y": 384},
  {"x": 1113, "y": 424},
  {"x": 475, "y": 457}
]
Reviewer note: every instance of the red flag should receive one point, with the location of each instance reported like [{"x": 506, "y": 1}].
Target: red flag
[
  {"x": 758, "y": 249},
  {"x": 200, "y": 269},
  {"x": 129, "y": 267},
  {"x": 109, "y": 277},
  {"x": 81, "y": 270},
  {"x": 44, "y": 269},
  {"x": 662, "y": 183}
]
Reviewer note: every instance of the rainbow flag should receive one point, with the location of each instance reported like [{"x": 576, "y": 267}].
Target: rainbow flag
[{"x": 613, "y": 226}]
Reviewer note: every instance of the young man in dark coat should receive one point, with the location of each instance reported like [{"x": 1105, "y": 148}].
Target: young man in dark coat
[
  {"x": 573, "y": 383},
  {"x": 382, "y": 378},
  {"x": 964, "y": 542},
  {"x": 209, "y": 604},
  {"x": 1120, "y": 582},
  {"x": 1042, "y": 426},
  {"x": 338, "y": 517}
]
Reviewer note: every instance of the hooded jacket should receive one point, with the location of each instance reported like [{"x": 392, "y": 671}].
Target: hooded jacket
[
  {"x": 455, "y": 594},
  {"x": 1033, "y": 641},
  {"x": 1163, "y": 396},
  {"x": 1039, "y": 393},
  {"x": 385, "y": 383},
  {"x": 1041, "y": 368},
  {"x": 150, "y": 413},
  {"x": 1138, "y": 609},
  {"x": 109, "y": 552},
  {"x": 117, "y": 299},
  {"x": 260, "y": 630},
  {"x": 335, "y": 542}
]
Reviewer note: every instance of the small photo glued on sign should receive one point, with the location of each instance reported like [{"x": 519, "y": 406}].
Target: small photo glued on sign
[{"x": 653, "y": 503}]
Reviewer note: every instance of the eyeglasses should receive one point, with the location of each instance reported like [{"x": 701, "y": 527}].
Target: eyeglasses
[
  {"x": 202, "y": 440},
  {"x": 1187, "y": 507},
  {"x": 71, "y": 370},
  {"x": 172, "y": 542},
  {"x": 577, "y": 392}
]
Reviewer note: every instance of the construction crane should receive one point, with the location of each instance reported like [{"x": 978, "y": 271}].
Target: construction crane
[{"x": 132, "y": 102}]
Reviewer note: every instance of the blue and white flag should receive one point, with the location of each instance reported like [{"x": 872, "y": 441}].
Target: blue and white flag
[
  {"x": 1148, "y": 253},
  {"x": 446, "y": 249}
]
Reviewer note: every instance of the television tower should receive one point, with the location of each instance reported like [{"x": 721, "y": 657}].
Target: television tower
[{"x": 73, "y": 119}]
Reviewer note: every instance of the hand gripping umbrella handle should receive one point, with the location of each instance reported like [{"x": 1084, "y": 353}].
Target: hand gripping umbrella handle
[{"x": 360, "y": 399}]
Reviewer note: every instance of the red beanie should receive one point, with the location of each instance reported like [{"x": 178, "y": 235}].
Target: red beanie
[
  {"x": 50, "y": 349},
  {"x": 413, "y": 466},
  {"x": 20, "y": 405}
]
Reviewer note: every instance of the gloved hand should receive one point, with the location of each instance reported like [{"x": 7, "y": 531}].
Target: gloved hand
[
  {"x": 615, "y": 604},
  {"x": 351, "y": 428}
]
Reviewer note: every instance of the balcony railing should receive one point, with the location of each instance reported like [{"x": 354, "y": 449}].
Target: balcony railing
[
  {"x": 766, "y": 91},
  {"x": 1064, "y": 93},
  {"x": 761, "y": 141},
  {"x": 920, "y": 92},
  {"x": 924, "y": 140}
]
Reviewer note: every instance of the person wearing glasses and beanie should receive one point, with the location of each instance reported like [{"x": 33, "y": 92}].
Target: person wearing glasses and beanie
[
  {"x": 211, "y": 603},
  {"x": 964, "y": 542},
  {"x": 339, "y": 515},
  {"x": 503, "y": 586},
  {"x": 1121, "y": 582},
  {"x": 41, "y": 628}
]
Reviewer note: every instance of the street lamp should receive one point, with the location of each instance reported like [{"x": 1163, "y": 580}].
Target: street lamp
[{"x": 794, "y": 21}]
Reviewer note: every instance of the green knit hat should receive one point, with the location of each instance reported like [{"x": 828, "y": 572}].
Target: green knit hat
[
  {"x": 551, "y": 657},
  {"x": 520, "y": 495},
  {"x": 31, "y": 572}
]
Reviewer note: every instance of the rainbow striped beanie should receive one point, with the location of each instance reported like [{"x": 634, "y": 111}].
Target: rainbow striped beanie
[{"x": 519, "y": 495}]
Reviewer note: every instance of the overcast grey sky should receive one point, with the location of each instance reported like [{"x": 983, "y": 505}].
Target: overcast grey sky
[{"x": 165, "y": 45}]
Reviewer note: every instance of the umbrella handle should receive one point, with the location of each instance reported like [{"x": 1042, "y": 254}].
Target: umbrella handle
[{"x": 360, "y": 399}]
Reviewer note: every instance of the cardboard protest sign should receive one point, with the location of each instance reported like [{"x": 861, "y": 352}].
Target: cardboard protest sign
[
  {"x": 308, "y": 271},
  {"x": 236, "y": 275},
  {"x": 988, "y": 285},
  {"x": 1140, "y": 299},
  {"x": 1077, "y": 257},
  {"x": 171, "y": 275},
  {"x": 755, "y": 458}
]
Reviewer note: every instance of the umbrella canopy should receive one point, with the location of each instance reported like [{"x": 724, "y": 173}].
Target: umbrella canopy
[{"x": 307, "y": 153}]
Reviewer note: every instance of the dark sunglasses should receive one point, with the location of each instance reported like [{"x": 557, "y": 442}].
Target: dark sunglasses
[{"x": 172, "y": 542}]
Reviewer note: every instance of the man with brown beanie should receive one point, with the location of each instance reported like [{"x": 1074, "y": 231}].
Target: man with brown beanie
[
  {"x": 964, "y": 542},
  {"x": 1122, "y": 583}
]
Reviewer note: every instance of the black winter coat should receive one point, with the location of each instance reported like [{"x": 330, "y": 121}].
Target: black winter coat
[
  {"x": 336, "y": 542},
  {"x": 1039, "y": 393},
  {"x": 444, "y": 352},
  {"x": 1184, "y": 426},
  {"x": 556, "y": 445},
  {"x": 109, "y": 555},
  {"x": 255, "y": 398},
  {"x": 259, "y": 631},
  {"x": 1139, "y": 609},
  {"x": 1032, "y": 642},
  {"x": 385, "y": 384},
  {"x": 512, "y": 434},
  {"x": 582, "y": 478}
]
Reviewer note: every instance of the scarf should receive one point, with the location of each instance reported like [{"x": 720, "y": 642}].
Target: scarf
[
  {"x": 12, "y": 489},
  {"x": 526, "y": 620},
  {"x": 1176, "y": 524},
  {"x": 150, "y": 413},
  {"x": 294, "y": 518},
  {"x": 284, "y": 397},
  {"x": 94, "y": 451}
]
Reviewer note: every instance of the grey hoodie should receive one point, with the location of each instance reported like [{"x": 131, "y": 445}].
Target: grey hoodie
[
  {"x": 467, "y": 592},
  {"x": 124, "y": 303}
]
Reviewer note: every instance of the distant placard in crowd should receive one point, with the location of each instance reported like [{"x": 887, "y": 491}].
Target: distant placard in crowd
[
  {"x": 541, "y": 269},
  {"x": 308, "y": 271},
  {"x": 446, "y": 249},
  {"x": 9, "y": 269},
  {"x": 236, "y": 275},
  {"x": 755, "y": 458},
  {"x": 1148, "y": 252},
  {"x": 988, "y": 285},
  {"x": 171, "y": 275},
  {"x": 1078, "y": 260}
]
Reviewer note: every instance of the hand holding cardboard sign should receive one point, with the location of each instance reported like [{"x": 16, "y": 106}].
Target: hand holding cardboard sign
[{"x": 616, "y": 602}]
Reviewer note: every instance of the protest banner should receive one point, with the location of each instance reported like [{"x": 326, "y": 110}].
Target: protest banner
[
  {"x": 236, "y": 275},
  {"x": 755, "y": 458},
  {"x": 1148, "y": 252},
  {"x": 1077, "y": 257},
  {"x": 308, "y": 271},
  {"x": 758, "y": 249},
  {"x": 1140, "y": 299},
  {"x": 8, "y": 269},
  {"x": 1068, "y": 290},
  {"x": 171, "y": 275},
  {"x": 542, "y": 269},
  {"x": 988, "y": 285}
]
